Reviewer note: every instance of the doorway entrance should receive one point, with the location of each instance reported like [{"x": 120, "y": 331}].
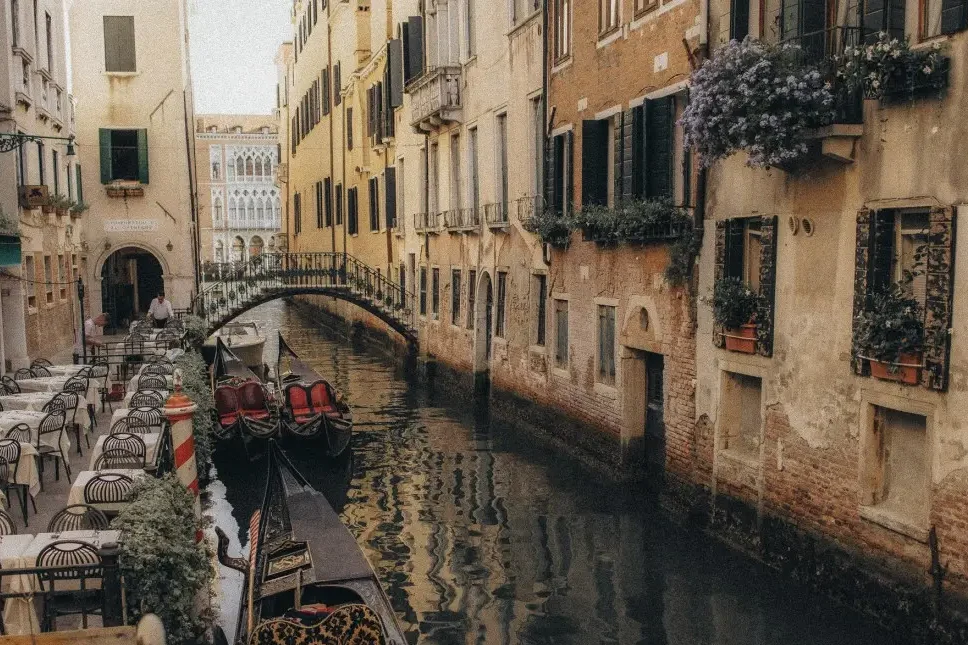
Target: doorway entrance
[{"x": 130, "y": 279}]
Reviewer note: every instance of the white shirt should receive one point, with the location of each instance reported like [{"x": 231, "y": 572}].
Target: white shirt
[
  {"x": 90, "y": 331},
  {"x": 161, "y": 310}
]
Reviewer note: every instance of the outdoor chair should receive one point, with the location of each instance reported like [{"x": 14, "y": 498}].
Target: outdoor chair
[
  {"x": 20, "y": 432},
  {"x": 43, "y": 362},
  {"x": 76, "y": 384},
  {"x": 161, "y": 369},
  {"x": 7, "y": 527},
  {"x": 56, "y": 403},
  {"x": 108, "y": 488},
  {"x": 52, "y": 428},
  {"x": 71, "y": 402},
  {"x": 10, "y": 453},
  {"x": 152, "y": 382},
  {"x": 78, "y": 517},
  {"x": 10, "y": 384},
  {"x": 22, "y": 373},
  {"x": 39, "y": 371},
  {"x": 150, "y": 415},
  {"x": 131, "y": 424},
  {"x": 67, "y": 570},
  {"x": 146, "y": 399},
  {"x": 119, "y": 458},
  {"x": 99, "y": 374},
  {"x": 128, "y": 441}
]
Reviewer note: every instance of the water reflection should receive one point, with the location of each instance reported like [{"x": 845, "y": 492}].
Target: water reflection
[{"x": 480, "y": 535}]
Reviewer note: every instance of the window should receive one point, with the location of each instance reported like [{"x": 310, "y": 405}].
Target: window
[
  {"x": 30, "y": 275},
  {"x": 124, "y": 155},
  {"x": 471, "y": 299},
  {"x": 607, "y": 16},
  {"x": 36, "y": 31},
  {"x": 423, "y": 291},
  {"x": 475, "y": 178},
  {"x": 455, "y": 172},
  {"x": 470, "y": 29},
  {"x": 119, "y": 44},
  {"x": 561, "y": 334},
  {"x": 455, "y": 296},
  {"x": 433, "y": 179},
  {"x": 352, "y": 211},
  {"x": 606, "y": 344},
  {"x": 502, "y": 160},
  {"x": 215, "y": 170},
  {"x": 49, "y": 279},
  {"x": 896, "y": 467},
  {"x": 339, "y": 204},
  {"x": 560, "y": 182},
  {"x": 390, "y": 196},
  {"x": 297, "y": 208},
  {"x": 80, "y": 184},
  {"x": 562, "y": 29},
  {"x": 337, "y": 85},
  {"x": 22, "y": 179},
  {"x": 401, "y": 192},
  {"x": 740, "y": 414},
  {"x": 41, "y": 165},
  {"x": 49, "y": 27},
  {"x": 328, "y": 202},
  {"x": 744, "y": 250},
  {"x": 55, "y": 170},
  {"x": 653, "y": 129},
  {"x": 911, "y": 240},
  {"x": 540, "y": 283},
  {"x": 435, "y": 293},
  {"x": 70, "y": 182},
  {"x": 349, "y": 128},
  {"x": 374, "y": 187},
  {"x": 596, "y": 170},
  {"x": 15, "y": 19},
  {"x": 502, "y": 294},
  {"x": 326, "y": 98},
  {"x": 537, "y": 144},
  {"x": 62, "y": 272},
  {"x": 319, "y": 204},
  {"x": 643, "y": 6}
]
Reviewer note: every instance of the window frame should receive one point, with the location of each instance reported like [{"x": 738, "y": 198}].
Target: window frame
[
  {"x": 456, "y": 295},
  {"x": 49, "y": 279},
  {"x": 609, "y": 17},
  {"x": 605, "y": 372},
  {"x": 133, "y": 53},
  {"x": 540, "y": 309},
  {"x": 563, "y": 30},
  {"x": 30, "y": 276},
  {"x": 561, "y": 348},
  {"x": 422, "y": 290},
  {"x": 435, "y": 293},
  {"x": 500, "y": 318}
]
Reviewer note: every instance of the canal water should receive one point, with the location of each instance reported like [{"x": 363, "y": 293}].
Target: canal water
[{"x": 480, "y": 534}]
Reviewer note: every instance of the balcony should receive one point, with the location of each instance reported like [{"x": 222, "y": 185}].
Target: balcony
[
  {"x": 435, "y": 98},
  {"x": 462, "y": 220},
  {"x": 426, "y": 222}
]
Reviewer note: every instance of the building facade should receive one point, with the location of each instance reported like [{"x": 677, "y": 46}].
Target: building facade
[
  {"x": 135, "y": 114},
  {"x": 240, "y": 208},
  {"x": 38, "y": 295}
]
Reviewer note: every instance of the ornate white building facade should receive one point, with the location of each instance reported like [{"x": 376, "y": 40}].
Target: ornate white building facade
[{"x": 241, "y": 205}]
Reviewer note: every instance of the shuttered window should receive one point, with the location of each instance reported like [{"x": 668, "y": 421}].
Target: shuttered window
[
  {"x": 326, "y": 93},
  {"x": 395, "y": 73},
  {"x": 319, "y": 204},
  {"x": 349, "y": 128},
  {"x": 423, "y": 291},
  {"x": 954, "y": 15},
  {"x": 471, "y": 297},
  {"x": 455, "y": 280},
  {"x": 297, "y": 207},
  {"x": 606, "y": 344},
  {"x": 339, "y": 204},
  {"x": 739, "y": 19},
  {"x": 124, "y": 155},
  {"x": 337, "y": 85},
  {"x": 374, "y": 194},
  {"x": 884, "y": 15},
  {"x": 79, "y": 184},
  {"x": 502, "y": 289},
  {"x": 119, "y": 44},
  {"x": 412, "y": 36},
  {"x": 390, "y": 196},
  {"x": 594, "y": 162},
  {"x": 352, "y": 212},
  {"x": 327, "y": 202},
  {"x": 559, "y": 175},
  {"x": 561, "y": 333},
  {"x": 435, "y": 293},
  {"x": 653, "y": 130},
  {"x": 540, "y": 313}
]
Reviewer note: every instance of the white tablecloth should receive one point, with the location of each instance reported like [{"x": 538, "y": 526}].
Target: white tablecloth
[
  {"x": 35, "y": 402},
  {"x": 127, "y": 397},
  {"x": 56, "y": 384},
  {"x": 76, "y": 496},
  {"x": 19, "y": 615},
  {"x": 14, "y": 417},
  {"x": 64, "y": 370},
  {"x": 151, "y": 448}
]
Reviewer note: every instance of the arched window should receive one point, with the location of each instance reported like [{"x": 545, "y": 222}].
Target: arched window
[
  {"x": 238, "y": 250},
  {"x": 233, "y": 212},
  {"x": 249, "y": 167},
  {"x": 260, "y": 213},
  {"x": 275, "y": 222},
  {"x": 219, "y": 251},
  {"x": 258, "y": 167},
  {"x": 216, "y": 170},
  {"x": 251, "y": 217},
  {"x": 217, "y": 210},
  {"x": 268, "y": 167},
  {"x": 240, "y": 167}
]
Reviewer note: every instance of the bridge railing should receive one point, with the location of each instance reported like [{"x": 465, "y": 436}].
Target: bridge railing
[{"x": 270, "y": 274}]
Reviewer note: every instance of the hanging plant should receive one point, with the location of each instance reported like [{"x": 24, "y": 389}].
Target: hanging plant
[
  {"x": 755, "y": 97},
  {"x": 550, "y": 226},
  {"x": 889, "y": 67}
]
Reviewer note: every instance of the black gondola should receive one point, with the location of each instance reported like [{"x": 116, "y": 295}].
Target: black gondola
[
  {"x": 306, "y": 578},
  {"x": 242, "y": 404},
  {"x": 311, "y": 405}
]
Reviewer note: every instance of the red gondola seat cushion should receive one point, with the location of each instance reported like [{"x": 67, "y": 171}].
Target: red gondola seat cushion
[
  {"x": 320, "y": 398},
  {"x": 227, "y": 404},
  {"x": 253, "y": 400},
  {"x": 297, "y": 398}
]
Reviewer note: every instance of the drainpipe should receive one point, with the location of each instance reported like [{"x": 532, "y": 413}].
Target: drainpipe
[
  {"x": 329, "y": 58},
  {"x": 196, "y": 238}
]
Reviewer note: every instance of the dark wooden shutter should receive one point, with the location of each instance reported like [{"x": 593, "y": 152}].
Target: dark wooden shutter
[
  {"x": 954, "y": 15},
  {"x": 395, "y": 67},
  {"x": 862, "y": 254},
  {"x": 79, "y": 183},
  {"x": 638, "y": 152},
  {"x": 554, "y": 174},
  {"x": 626, "y": 165},
  {"x": 883, "y": 15},
  {"x": 940, "y": 298},
  {"x": 328, "y": 201},
  {"x": 765, "y": 321},
  {"x": 568, "y": 191},
  {"x": 143, "y": 156},
  {"x": 319, "y": 204},
  {"x": 390, "y": 196},
  {"x": 882, "y": 251},
  {"x": 337, "y": 84},
  {"x": 719, "y": 271},
  {"x": 594, "y": 160},
  {"x": 659, "y": 119},
  {"x": 735, "y": 244},
  {"x": 349, "y": 128},
  {"x": 405, "y": 50},
  {"x": 339, "y": 204},
  {"x": 739, "y": 20},
  {"x": 414, "y": 38},
  {"x": 104, "y": 139}
]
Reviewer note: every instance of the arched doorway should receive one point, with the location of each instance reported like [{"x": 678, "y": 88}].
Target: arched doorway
[
  {"x": 482, "y": 325},
  {"x": 238, "y": 250},
  {"x": 130, "y": 279},
  {"x": 255, "y": 246}
]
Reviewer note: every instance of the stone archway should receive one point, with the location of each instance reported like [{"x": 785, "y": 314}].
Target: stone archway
[
  {"x": 130, "y": 278},
  {"x": 483, "y": 324},
  {"x": 238, "y": 249},
  {"x": 256, "y": 246}
]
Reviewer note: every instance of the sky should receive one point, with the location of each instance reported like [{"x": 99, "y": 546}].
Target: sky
[{"x": 233, "y": 44}]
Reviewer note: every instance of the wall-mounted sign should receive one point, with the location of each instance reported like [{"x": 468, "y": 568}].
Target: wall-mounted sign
[{"x": 130, "y": 226}]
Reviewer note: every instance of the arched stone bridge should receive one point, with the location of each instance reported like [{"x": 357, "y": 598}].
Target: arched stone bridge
[{"x": 233, "y": 289}]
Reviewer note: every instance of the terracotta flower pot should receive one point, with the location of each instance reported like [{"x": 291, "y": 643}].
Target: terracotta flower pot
[
  {"x": 907, "y": 369},
  {"x": 742, "y": 340},
  {"x": 61, "y": 212},
  {"x": 47, "y": 209}
]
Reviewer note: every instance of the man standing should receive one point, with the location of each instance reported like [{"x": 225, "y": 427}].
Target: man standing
[
  {"x": 160, "y": 311},
  {"x": 90, "y": 333}
]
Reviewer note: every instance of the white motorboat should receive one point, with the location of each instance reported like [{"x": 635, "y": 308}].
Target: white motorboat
[{"x": 244, "y": 339}]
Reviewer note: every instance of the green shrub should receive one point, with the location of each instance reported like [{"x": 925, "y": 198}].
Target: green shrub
[
  {"x": 551, "y": 227},
  {"x": 196, "y": 331},
  {"x": 195, "y": 383},
  {"x": 163, "y": 567},
  {"x": 682, "y": 257},
  {"x": 734, "y": 303}
]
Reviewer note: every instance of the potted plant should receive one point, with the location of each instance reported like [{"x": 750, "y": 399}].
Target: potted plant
[
  {"x": 889, "y": 68},
  {"x": 735, "y": 306},
  {"x": 62, "y": 203},
  {"x": 550, "y": 226},
  {"x": 890, "y": 335},
  {"x": 49, "y": 205},
  {"x": 78, "y": 208}
]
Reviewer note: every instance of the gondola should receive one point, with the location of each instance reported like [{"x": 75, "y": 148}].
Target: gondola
[
  {"x": 242, "y": 405},
  {"x": 312, "y": 408},
  {"x": 306, "y": 579}
]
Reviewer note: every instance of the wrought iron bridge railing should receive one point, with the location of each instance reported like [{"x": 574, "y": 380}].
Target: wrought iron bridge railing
[{"x": 274, "y": 275}]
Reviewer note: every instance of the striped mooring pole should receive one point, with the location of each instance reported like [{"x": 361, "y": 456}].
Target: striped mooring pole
[{"x": 180, "y": 410}]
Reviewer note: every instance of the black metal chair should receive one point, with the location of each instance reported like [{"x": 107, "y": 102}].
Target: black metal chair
[
  {"x": 56, "y": 403},
  {"x": 66, "y": 570},
  {"x": 160, "y": 369},
  {"x": 147, "y": 399},
  {"x": 78, "y": 517},
  {"x": 7, "y": 526},
  {"x": 10, "y": 453},
  {"x": 71, "y": 402},
  {"x": 76, "y": 384},
  {"x": 99, "y": 373},
  {"x": 129, "y": 441},
  {"x": 42, "y": 362},
  {"x": 151, "y": 415},
  {"x": 130, "y": 424},
  {"x": 22, "y": 373},
  {"x": 108, "y": 488},
  {"x": 39, "y": 371},
  {"x": 20, "y": 432},
  {"x": 119, "y": 458},
  {"x": 51, "y": 429},
  {"x": 152, "y": 382},
  {"x": 10, "y": 384}
]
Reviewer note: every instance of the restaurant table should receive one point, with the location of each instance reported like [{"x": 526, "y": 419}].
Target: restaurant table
[
  {"x": 152, "y": 439},
  {"x": 10, "y": 418},
  {"x": 65, "y": 370},
  {"x": 19, "y": 614},
  {"x": 56, "y": 384},
  {"x": 127, "y": 397},
  {"x": 76, "y": 495},
  {"x": 35, "y": 402}
]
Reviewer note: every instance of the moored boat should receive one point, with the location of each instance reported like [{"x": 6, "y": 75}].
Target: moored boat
[
  {"x": 244, "y": 339},
  {"x": 242, "y": 404},
  {"x": 311, "y": 406},
  {"x": 306, "y": 579}
]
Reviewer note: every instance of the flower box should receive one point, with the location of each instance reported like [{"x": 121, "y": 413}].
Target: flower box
[
  {"x": 742, "y": 339},
  {"x": 906, "y": 85},
  {"x": 33, "y": 196},
  {"x": 906, "y": 370},
  {"x": 61, "y": 212},
  {"x": 47, "y": 208}
]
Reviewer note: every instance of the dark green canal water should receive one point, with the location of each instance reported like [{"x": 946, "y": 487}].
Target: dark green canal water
[{"x": 480, "y": 534}]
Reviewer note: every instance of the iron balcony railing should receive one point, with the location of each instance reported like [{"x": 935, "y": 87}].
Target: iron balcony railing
[
  {"x": 820, "y": 49},
  {"x": 462, "y": 220},
  {"x": 426, "y": 222},
  {"x": 496, "y": 215},
  {"x": 435, "y": 97}
]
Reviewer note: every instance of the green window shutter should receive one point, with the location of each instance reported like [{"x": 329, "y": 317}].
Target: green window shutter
[
  {"x": 104, "y": 138},
  {"x": 80, "y": 184},
  {"x": 143, "y": 156}
]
